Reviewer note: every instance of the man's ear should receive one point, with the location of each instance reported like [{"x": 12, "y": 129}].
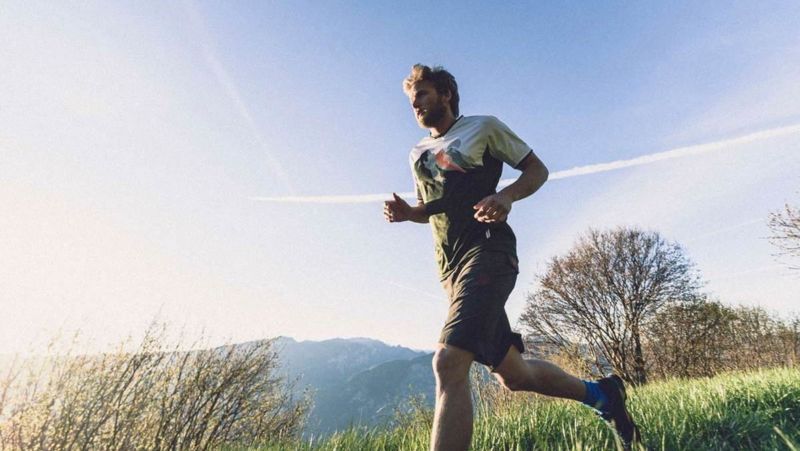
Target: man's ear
[{"x": 447, "y": 95}]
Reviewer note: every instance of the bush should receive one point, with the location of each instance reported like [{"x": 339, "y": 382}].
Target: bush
[
  {"x": 706, "y": 338},
  {"x": 149, "y": 399}
]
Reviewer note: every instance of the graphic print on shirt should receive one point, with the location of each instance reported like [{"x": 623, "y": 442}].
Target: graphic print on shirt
[
  {"x": 452, "y": 173},
  {"x": 449, "y": 159}
]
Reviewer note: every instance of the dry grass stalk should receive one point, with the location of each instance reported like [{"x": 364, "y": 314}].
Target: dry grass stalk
[{"x": 149, "y": 399}]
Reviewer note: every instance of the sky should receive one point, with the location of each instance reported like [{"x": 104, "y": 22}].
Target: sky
[{"x": 221, "y": 165}]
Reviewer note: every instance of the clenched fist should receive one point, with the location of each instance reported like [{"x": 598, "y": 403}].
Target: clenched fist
[
  {"x": 494, "y": 208},
  {"x": 396, "y": 210}
]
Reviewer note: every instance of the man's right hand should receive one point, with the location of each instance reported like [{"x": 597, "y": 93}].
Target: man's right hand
[{"x": 396, "y": 210}]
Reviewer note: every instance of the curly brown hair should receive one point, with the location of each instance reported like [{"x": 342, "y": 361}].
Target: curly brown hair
[{"x": 442, "y": 80}]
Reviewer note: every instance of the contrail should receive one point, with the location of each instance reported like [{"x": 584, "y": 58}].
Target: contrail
[
  {"x": 232, "y": 91},
  {"x": 680, "y": 152},
  {"x": 414, "y": 290}
]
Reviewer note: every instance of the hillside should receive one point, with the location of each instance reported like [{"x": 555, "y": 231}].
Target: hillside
[
  {"x": 372, "y": 396},
  {"x": 758, "y": 410},
  {"x": 353, "y": 380},
  {"x": 320, "y": 364}
]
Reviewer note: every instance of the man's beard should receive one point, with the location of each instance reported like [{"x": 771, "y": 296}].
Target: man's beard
[{"x": 432, "y": 116}]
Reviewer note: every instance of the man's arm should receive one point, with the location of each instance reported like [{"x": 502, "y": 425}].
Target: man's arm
[
  {"x": 534, "y": 174},
  {"x": 495, "y": 208},
  {"x": 398, "y": 210}
]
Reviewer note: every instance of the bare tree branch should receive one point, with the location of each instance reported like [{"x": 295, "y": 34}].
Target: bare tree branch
[
  {"x": 785, "y": 227},
  {"x": 604, "y": 291}
]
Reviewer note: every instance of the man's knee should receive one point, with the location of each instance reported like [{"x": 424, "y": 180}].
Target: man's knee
[{"x": 451, "y": 365}]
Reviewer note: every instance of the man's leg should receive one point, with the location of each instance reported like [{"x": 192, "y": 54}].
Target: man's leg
[
  {"x": 607, "y": 394},
  {"x": 539, "y": 376},
  {"x": 452, "y": 418}
]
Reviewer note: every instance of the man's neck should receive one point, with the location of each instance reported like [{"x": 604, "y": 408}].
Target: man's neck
[{"x": 443, "y": 126}]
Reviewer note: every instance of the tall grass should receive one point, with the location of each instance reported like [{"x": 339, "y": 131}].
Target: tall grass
[
  {"x": 757, "y": 410},
  {"x": 229, "y": 398},
  {"x": 149, "y": 399}
]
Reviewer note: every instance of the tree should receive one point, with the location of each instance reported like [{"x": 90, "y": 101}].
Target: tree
[
  {"x": 691, "y": 339},
  {"x": 785, "y": 226},
  {"x": 605, "y": 290},
  {"x": 790, "y": 340},
  {"x": 759, "y": 340},
  {"x": 704, "y": 338}
]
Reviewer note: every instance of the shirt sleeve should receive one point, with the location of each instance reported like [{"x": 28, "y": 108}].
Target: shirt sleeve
[
  {"x": 417, "y": 191},
  {"x": 504, "y": 144}
]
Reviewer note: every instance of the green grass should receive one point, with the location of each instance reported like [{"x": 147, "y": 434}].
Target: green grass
[{"x": 755, "y": 410}]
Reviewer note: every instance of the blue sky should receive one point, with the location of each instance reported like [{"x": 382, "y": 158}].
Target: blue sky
[{"x": 136, "y": 139}]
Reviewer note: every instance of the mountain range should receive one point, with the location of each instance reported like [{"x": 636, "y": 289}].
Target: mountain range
[{"x": 354, "y": 381}]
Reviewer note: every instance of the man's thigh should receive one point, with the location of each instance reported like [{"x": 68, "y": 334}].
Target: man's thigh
[
  {"x": 477, "y": 321},
  {"x": 512, "y": 368}
]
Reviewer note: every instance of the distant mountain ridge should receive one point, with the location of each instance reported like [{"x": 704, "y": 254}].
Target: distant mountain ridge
[
  {"x": 372, "y": 396},
  {"x": 353, "y": 380}
]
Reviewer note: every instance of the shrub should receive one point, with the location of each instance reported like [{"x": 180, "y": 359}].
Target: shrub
[{"x": 149, "y": 399}]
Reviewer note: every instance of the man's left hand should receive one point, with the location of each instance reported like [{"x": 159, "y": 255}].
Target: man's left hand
[{"x": 494, "y": 208}]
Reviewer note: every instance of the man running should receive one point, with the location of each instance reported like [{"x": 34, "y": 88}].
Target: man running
[{"x": 456, "y": 170}]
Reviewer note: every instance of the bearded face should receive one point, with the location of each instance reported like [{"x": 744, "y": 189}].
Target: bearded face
[
  {"x": 429, "y": 106},
  {"x": 433, "y": 114}
]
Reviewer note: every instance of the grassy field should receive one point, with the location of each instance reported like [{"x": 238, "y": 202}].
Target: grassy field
[{"x": 756, "y": 410}]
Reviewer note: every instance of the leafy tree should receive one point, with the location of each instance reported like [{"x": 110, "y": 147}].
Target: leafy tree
[{"x": 604, "y": 291}]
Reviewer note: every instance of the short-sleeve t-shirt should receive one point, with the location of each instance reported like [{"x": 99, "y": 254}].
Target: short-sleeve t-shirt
[{"x": 455, "y": 171}]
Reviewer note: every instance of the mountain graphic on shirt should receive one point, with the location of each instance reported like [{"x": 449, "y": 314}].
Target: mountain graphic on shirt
[{"x": 449, "y": 159}]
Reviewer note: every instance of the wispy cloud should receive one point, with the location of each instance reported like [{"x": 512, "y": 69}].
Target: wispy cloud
[
  {"x": 232, "y": 91},
  {"x": 777, "y": 268},
  {"x": 722, "y": 230},
  {"x": 680, "y": 152},
  {"x": 414, "y": 290}
]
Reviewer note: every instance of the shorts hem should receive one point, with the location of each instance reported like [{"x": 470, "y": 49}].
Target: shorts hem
[{"x": 480, "y": 355}]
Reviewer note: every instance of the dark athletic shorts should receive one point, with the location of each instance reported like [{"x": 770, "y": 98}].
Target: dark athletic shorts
[{"x": 477, "y": 321}]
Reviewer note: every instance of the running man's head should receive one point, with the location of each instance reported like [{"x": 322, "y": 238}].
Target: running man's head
[{"x": 433, "y": 94}]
